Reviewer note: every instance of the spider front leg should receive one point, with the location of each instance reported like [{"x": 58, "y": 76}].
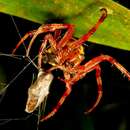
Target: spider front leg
[
  {"x": 85, "y": 37},
  {"x": 59, "y": 104},
  {"x": 52, "y": 28},
  {"x": 44, "y": 29},
  {"x": 23, "y": 39}
]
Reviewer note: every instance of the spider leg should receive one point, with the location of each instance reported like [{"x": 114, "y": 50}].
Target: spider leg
[
  {"x": 99, "y": 85},
  {"x": 68, "y": 35},
  {"x": 59, "y": 104},
  {"x": 23, "y": 39},
  {"x": 22, "y": 42},
  {"x": 85, "y": 37},
  {"x": 95, "y": 61},
  {"x": 52, "y": 42},
  {"x": 52, "y": 28}
]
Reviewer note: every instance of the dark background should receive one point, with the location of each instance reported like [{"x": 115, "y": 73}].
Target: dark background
[{"x": 112, "y": 113}]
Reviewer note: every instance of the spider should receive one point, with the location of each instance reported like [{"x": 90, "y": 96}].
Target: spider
[{"x": 66, "y": 53}]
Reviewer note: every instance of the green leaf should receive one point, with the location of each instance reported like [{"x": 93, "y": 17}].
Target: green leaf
[{"x": 114, "y": 32}]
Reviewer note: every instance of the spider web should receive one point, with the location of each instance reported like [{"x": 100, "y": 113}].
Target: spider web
[{"x": 3, "y": 92}]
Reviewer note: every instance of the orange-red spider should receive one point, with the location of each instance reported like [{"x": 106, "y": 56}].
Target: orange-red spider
[{"x": 66, "y": 53}]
